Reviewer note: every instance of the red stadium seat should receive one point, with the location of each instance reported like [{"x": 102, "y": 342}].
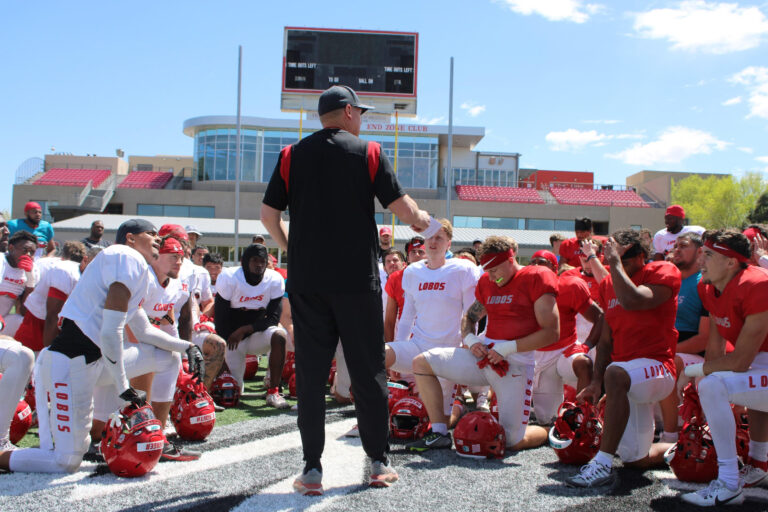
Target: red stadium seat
[
  {"x": 498, "y": 194},
  {"x": 591, "y": 197},
  {"x": 73, "y": 177},
  {"x": 146, "y": 179}
]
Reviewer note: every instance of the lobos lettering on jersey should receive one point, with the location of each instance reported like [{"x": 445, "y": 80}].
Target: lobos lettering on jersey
[
  {"x": 14, "y": 281},
  {"x": 431, "y": 286},
  {"x": 247, "y": 299},
  {"x": 723, "y": 322},
  {"x": 499, "y": 299},
  {"x": 163, "y": 307},
  {"x": 613, "y": 303}
]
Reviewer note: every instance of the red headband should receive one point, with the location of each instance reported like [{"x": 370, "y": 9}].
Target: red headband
[
  {"x": 32, "y": 206},
  {"x": 726, "y": 251},
  {"x": 496, "y": 258},
  {"x": 547, "y": 255},
  {"x": 171, "y": 246},
  {"x": 174, "y": 230}
]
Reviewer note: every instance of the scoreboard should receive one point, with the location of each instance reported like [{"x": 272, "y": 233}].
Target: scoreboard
[{"x": 378, "y": 65}]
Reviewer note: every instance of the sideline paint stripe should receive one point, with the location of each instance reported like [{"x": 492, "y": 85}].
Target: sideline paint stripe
[
  {"x": 343, "y": 465},
  {"x": 93, "y": 488}
]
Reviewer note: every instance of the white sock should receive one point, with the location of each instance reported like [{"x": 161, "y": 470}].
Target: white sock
[
  {"x": 669, "y": 437},
  {"x": 758, "y": 450},
  {"x": 440, "y": 428},
  {"x": 606, "y": 459},
  {"x": 728, "y": 472}
]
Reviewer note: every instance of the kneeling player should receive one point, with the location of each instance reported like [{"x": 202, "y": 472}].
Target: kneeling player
[
  {"x": 736, "y": 296},
  {"x": 522, "y": 316},
  {"x": 248, "y": 308},
  {"x": 635, "y": 356},
  {"x": 16, "y": 365}
]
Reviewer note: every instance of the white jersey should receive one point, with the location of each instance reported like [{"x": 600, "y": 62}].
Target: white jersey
[
  {"x": 435, "y": 300},
  {"x": 664, "y": 241},
  {"x": 15, "y": 280},
  {"x": 115, "y": 264},
  {"x": 163, "y": 304},
  {"x": 383, "y": 280},
  {"x": 63, "y": 276},
  {"x": 43, "y": 265},
  {"x": 198, "y": 279},
  {"x": 231, "y": 286}
]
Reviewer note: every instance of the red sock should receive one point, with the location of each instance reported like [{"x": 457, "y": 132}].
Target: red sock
[
  {"x": 758, "y": 464},
  {"x": 272, "y": 391}
]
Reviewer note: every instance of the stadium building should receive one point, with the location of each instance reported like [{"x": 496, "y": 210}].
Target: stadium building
[{"x": 483, "y": 193}]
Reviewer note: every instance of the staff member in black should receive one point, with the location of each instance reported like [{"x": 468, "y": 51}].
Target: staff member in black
[{"x": 328, "y": 182}]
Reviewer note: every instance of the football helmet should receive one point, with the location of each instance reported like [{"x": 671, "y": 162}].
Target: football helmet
[
  {"x": 225, "y": 390},
  {"x": 408, "y": 419},
  {"x": 251, "y": 366},
  {"x": 192, "y": 412},
  {"x": 290, "y": 365},
  {"x": 479, "y": 435},
  {"x": 693, "y": 457},
  {"x": 132, "y": 441},
  {"x": 21, "y": 422},
  {"x": 396, "y": 391},
  {"x": 577, "y": 432},
  {"x": 742, "y": 434}
]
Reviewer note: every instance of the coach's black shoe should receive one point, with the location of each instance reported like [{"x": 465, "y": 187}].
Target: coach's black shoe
[
  {"x": 94, "y": 453},
  {"x": 178, "y": 453},
  {"x": 431, "y": 441}
]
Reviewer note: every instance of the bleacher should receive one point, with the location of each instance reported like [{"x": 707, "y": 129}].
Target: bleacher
[
  {"x": 601, "y": 197},
  {"x": 498, "y": 194},
  {"x": 146, "y": 179},
  {"x": 73, "y": 177}
]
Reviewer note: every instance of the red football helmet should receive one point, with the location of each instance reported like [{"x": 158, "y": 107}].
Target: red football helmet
[
  {"x": 693, "y": 457},
  {"x": 21, "y": 422},
  {"x": 569, "y": 393},
  {"x": 132, "y": 441},
  {"x": 290, "y": 365},
  {"x": 409, "y": 419},
  {"x": 479, "y": 435},
  {"x": 251, "y": 366},
  {"x": 577, "y": 432},
  {"x": 192, "y": 412},
  {"x": 742, "y": 435},
  {"x": 225, "y": 390},
  {"x": 292, "y": 386},
  {"x": 396, "y": 391}
]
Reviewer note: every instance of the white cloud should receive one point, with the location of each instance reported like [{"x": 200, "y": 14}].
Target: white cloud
[
  {"x": 601, "y": 121},
  {"x": 575, "y": 140},
  {"x": 429, "y": 120},
  {"x": 762, "y": 159},
  {"x": 674, "y": 145},
  {"x": 747, "y": 150},
  {"x": 472, "y": 109},
  {"x": 755, "y": 79},
  {"x": 710, "y": 27},
  {"x": 732, "y": 101},
  {"x": 576, "y": 11}
]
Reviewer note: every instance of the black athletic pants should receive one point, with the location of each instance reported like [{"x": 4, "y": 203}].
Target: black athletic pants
[{"x": 319, "y": 320}]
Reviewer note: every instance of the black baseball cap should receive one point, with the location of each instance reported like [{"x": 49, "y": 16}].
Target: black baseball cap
[
  {"x": 133, "y": 226},
  {"x": 339, "y": 96}
]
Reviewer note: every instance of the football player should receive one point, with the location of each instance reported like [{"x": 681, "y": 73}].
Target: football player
[
  {"x": 18, "y": 274},
  {"x": 437, "y": 294},
  {"x": 635, "y": 356},
  {"x": 736, "y": 296},
  {"x": 566, "y": 361},
  {"x": 106, "y": 298},
  {"x": 520, "y": 303},
  {"x": 248, "y": 309},
  {"x": 16, "y": 363},
  {"x": 415, "y": 252}
]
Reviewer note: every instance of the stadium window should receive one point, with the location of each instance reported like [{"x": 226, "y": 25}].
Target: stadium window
[
  {"x": 207, "y": 212},
  {"x": 151, "y": 210},
  {"x": 563, "y": 225},
  {"x": 541, "y": 224},
  {"x": 144, "y": 167}
]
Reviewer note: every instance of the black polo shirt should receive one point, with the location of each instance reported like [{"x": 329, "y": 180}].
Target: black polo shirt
[{"x": 329, "y": 189}]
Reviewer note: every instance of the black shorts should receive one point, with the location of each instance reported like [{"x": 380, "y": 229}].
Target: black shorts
[{"x": 72, "y": 342}]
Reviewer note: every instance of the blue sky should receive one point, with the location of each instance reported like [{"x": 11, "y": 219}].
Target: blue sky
[{"x": 608, "y": 87}]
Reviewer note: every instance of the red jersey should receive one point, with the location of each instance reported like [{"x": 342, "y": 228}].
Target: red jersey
[
  {"x": 744, "y": 295},
  {"x": 570, "y": 250},
  {"x": 589, "y": 280},
  {"x": 572, "y": 298},
  {"x": 394, "y": 289},
  {"x": 510, "y": 307},
  {"x": 647, "y": 333}
]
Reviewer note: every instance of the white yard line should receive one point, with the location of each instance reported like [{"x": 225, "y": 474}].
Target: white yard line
[{"x": 343, "y": 469}]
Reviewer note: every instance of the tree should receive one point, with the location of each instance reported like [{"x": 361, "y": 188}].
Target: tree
[
  {"x": 715, "y": 202},
  {"x": 760, "y": 214}
]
